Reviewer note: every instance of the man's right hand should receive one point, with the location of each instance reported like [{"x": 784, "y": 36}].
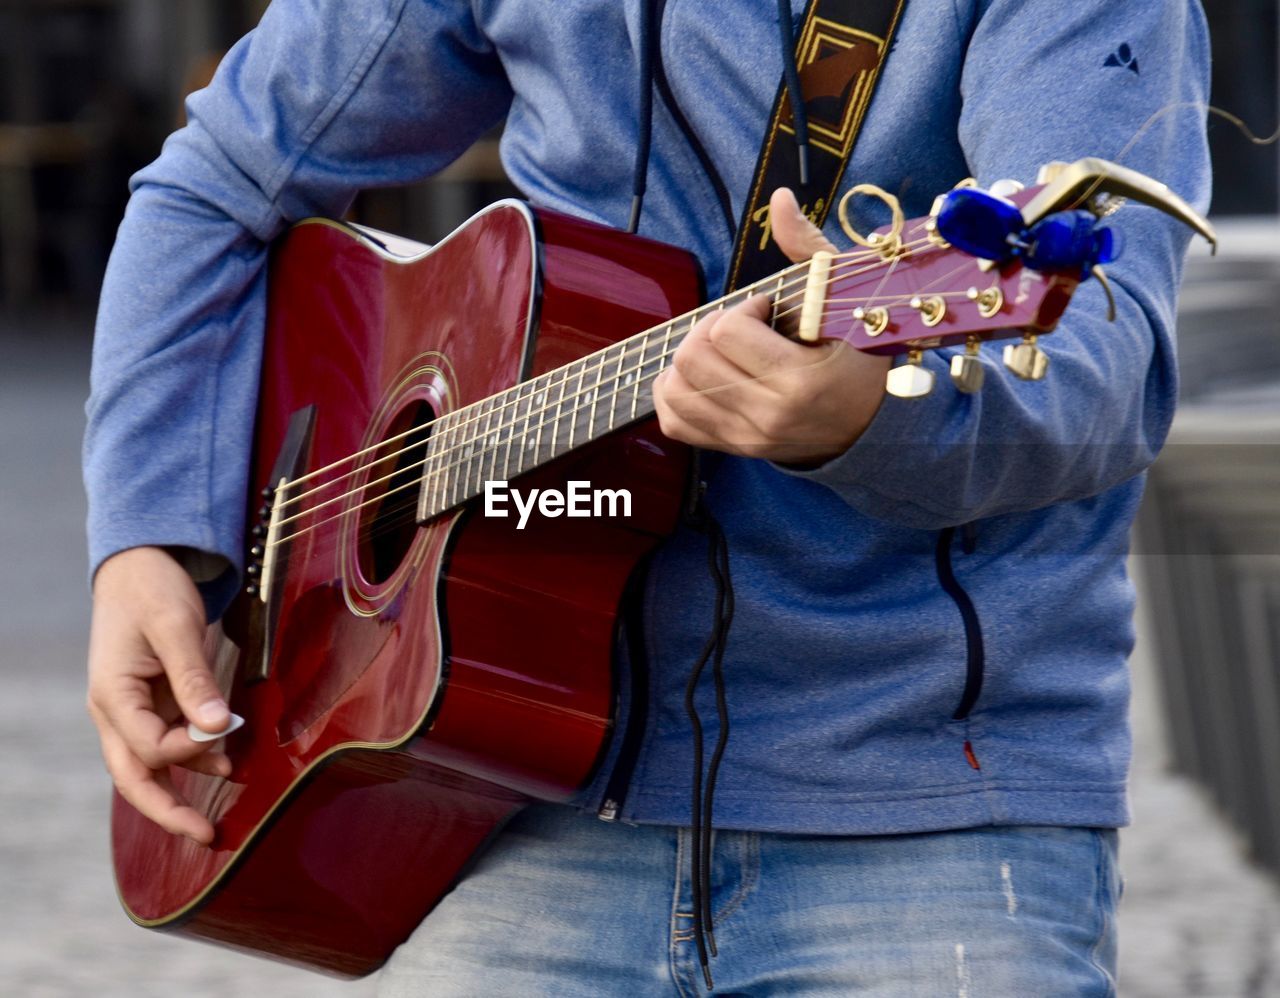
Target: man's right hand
[{"x": 148, "y": 676}]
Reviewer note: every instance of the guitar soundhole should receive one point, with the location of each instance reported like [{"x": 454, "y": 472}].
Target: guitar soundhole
[{"x": 390, "y": 504}]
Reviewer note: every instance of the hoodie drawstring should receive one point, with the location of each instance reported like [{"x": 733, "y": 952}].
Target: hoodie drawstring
[
  {"x": 701, "y": 805},
  {"x": 792, "y": 72},
  {"x": 648, "y": 43}
]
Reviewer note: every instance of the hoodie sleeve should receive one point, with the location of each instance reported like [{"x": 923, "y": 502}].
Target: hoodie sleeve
[
  {"x": 321, "y": 100},
  {"x": 1047, "y": 81}
]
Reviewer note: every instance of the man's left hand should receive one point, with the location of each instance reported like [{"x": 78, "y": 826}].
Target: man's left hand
[{"x": 737, "y": 386}]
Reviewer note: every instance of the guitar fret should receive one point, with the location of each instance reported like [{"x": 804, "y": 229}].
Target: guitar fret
[
  {"x": 565, "y": 410},
  {"x": 451, "y": 464},
  {"x": 580, "y": 401},
  {"x": 464, "y": 476},
  {"x": 527, "y": 439},
  {"x": 573, "y": 408},
  {"x": 553, "y": 411},
  {"x": 512, "y": 435},
  {"x": 447, "y": 458},
  {"x": 619, "y": 382},
  {"x": 430, "y": 503},
  {"x": 491, "y": 441},
  {"x": 479, "y": 437},
  {"x": 475, "y": 448},
  {"x": 635, "y": 393},
  {"x": 594, "y": 393},
  {"x": 534, "y": 430},
  {"x": 448, "y": 440}
]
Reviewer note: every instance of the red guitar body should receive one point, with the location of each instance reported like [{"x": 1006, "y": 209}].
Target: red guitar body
[{"x": 426, "y": 682}]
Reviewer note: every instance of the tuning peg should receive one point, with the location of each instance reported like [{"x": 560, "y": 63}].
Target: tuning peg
[
  {"x": 989, "y": 300},
  {"x": 932, "y": 309},
  {"x": 967, "y": 372},
  {"x": 874, "y": 320},
  {"x": 910, "y": 380},
  {"x": 1026, "y": 360}
]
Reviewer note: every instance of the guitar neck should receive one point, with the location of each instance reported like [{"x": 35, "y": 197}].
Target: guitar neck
[{"x": 544, "y": 418}]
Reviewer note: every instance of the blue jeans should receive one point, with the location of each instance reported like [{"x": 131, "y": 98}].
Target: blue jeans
[{"x": 564, "y": 905}]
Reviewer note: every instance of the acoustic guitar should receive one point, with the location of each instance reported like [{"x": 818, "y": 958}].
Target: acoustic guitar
[{"x": 411, "y": 671}]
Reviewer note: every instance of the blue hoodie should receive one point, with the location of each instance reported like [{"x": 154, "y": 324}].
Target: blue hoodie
[{"x": 863, "y": 617}]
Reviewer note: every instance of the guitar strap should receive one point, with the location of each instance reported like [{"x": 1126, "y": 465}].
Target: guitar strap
[{"x": 839, "y": 54}]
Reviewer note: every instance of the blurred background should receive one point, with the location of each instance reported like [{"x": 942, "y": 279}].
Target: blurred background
[{"x": 89, "y": 89}]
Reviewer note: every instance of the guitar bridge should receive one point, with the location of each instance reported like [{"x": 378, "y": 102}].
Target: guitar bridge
[{"x": 270, "y": 554}]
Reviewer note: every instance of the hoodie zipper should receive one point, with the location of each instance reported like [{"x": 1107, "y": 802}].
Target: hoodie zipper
[
  {"x": 615, "y": 791},
  {"x": 975, "y": 654}
]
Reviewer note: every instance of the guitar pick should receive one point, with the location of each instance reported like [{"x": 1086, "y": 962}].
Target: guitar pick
[{"x": 197, "y": 735}]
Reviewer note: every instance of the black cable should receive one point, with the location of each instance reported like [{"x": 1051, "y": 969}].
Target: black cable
[
  {"x": 724, "y": 620},
  {"x": 696, "y": 878},
  {"x": 700, "y": 518}
]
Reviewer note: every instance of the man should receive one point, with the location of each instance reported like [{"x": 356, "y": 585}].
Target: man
[{"x": 926, "y": 671}]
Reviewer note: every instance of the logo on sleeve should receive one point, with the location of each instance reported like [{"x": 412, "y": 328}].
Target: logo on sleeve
[{"x": 1123, "y": 56}]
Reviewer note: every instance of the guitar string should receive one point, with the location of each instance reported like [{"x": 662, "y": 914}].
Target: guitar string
[
  {"x": 440, "y": 475},
  {"x": 476, "y": 460},
  {"x": 923, "y": 289},
  {"x": 589, "y": 395},
  {"x": 1079, "y": 200},
  {"x": 1082, "y": 198},
  {"x": 710, "y": 307},
  {"x": 641, "y": 339},
  {"x": 423, "y": 481}
]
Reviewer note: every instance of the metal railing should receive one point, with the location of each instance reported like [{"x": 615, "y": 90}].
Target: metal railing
[{"x": 1208, "y": 537}]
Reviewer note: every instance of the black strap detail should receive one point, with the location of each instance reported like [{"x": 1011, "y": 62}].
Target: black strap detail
[{"x": 841, "y": 49}]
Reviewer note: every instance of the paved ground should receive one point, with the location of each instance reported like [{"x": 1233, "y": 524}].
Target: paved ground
[{"x": 1196, "y": 920}]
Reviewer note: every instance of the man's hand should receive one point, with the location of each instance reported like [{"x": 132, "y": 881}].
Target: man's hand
[
  {"x": 735, "y": 385},
  {"x": 147, "y": 677}
]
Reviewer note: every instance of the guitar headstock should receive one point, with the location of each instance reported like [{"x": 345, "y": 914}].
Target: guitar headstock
[{"x": 974, "y": 270}]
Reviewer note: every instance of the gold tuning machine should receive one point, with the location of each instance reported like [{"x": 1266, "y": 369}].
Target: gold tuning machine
[
  {"x": 874, "y": 320},
  {"x": 932, "y": 309},
  {"x": 910, "y": 380},
  {"x": 989, "y": 300},
  {"x": 1026, "y": 360},
  {"x": 967, "y": 372}
]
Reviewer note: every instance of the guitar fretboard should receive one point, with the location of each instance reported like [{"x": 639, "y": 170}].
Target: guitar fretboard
[{"x": 539, "y": 420}]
